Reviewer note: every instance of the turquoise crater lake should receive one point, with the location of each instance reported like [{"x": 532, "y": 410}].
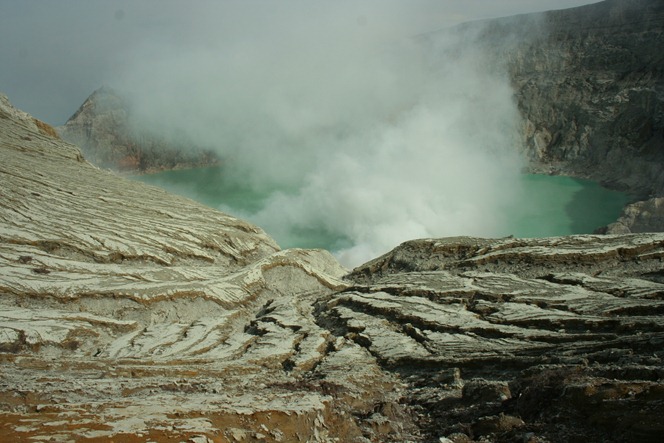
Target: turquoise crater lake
[{"x": 549, "y": 205}]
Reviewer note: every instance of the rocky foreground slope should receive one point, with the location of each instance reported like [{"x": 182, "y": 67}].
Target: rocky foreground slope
[{"x": 128, "y": 314}]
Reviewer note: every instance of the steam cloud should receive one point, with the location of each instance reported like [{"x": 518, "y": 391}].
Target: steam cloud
[{"x": 377, "y": 138}]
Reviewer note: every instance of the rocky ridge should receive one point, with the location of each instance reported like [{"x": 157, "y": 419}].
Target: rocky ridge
[
  {"x": 103, "y": 130},
  {"x": 129, "y": 314}
]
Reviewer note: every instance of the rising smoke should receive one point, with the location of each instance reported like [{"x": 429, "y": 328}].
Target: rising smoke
[{"x": 377, "y": 138}]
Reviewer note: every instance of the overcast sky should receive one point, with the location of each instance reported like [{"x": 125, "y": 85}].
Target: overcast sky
[{"x": 55, "y": 53}]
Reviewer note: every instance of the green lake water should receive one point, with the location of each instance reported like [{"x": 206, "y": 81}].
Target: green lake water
[
  {"x": 558, "y": 205},
  {"x": 549, "y": 205}
]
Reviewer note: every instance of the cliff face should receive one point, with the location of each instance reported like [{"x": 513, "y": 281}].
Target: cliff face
[
  {"x": 129, "y": 314},
  {"x": 101, "y": 127},
  {"x": 589, "y": 83}
]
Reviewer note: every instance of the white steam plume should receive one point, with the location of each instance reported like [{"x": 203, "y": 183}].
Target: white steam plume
[{"x": 377, "y": 139}]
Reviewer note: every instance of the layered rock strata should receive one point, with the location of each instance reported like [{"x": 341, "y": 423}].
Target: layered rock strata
[
  {"x": 556, "y": 339},
  {"x": 128, "y": 314}
]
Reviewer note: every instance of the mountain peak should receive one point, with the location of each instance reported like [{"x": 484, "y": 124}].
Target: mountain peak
[{"x": 109, "y": 136}]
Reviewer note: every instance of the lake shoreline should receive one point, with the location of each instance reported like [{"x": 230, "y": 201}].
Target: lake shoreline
[{"x": 545, "y": 205}]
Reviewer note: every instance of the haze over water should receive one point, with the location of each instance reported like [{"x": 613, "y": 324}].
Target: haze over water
[
  {"x": 371, "y": 140},
  {"x": 367, "y": 135},
  {"x": 547, "y": 206}
]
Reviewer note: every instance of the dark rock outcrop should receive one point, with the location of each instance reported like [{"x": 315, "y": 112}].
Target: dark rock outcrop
[
  {"x": 589, "y": 83},
  {"x": 556, "y": 339},
  {"x": 102, "y": 128}
]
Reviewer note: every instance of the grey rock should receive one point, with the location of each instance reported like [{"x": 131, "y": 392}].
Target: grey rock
[
  {"x": 642, "y": 216},
  {"x": 102, "y": 127}
]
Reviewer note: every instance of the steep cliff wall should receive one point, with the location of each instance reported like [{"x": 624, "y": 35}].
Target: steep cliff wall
[
  {"x": 103, "y": 129},
  {"x": 589, "y": 83}
]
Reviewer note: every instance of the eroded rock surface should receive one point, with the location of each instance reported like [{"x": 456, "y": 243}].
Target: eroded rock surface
[
  {"x": 128, "y": 314},
  {"x": 556, "y": 339}
]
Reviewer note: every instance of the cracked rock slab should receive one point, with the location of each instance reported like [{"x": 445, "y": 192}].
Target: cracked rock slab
[
  {"x": 130, "y": 314},
  {"x": 552, "y": 339}
]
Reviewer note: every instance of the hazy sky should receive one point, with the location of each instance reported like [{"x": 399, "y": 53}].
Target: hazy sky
[{"x": 55, "y": 53}]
